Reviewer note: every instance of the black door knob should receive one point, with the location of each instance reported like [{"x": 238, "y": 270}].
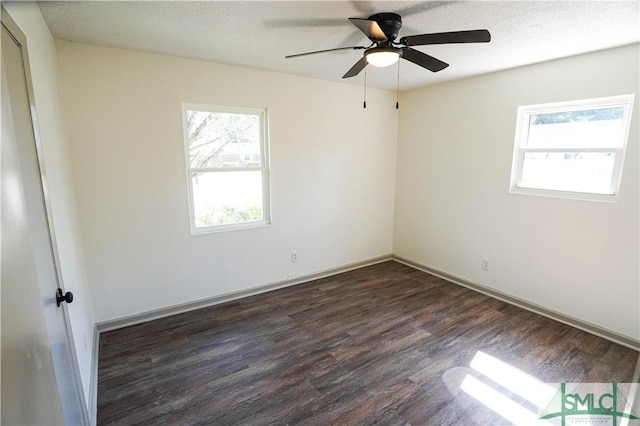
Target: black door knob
[{"x": 68, "y": 297}]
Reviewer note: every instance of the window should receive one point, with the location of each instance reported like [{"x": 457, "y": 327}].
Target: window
[
  {"x": 227, "y": 166},
  {"x": 572, "y": 149}
]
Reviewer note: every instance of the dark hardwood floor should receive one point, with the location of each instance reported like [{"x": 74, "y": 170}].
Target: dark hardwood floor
[{"x": 386, "y": 344}]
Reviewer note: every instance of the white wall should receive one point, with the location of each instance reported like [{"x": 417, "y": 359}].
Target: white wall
[
  {"x": 333, "y": 184},
  {"x": 333, "y": 177},
  {"x": 44, "y": 74},
  {"x": 453, "y": 205}
]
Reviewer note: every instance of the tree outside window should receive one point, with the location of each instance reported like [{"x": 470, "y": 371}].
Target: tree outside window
[{"x": 227, "y": 166}]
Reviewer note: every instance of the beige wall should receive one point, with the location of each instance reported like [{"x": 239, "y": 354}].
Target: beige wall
[
  {"x": 333, "y": 184},
  {"x": 332, "y": 178},
  {"x": 453, "y": 206}
]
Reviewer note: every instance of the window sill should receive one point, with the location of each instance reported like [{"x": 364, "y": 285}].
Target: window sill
[
  {"x": 231, "y": 227},
  {"x": 582, "y": 196}
]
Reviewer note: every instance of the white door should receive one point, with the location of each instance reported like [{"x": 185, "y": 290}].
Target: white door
[{"x": 39, "y": 382}]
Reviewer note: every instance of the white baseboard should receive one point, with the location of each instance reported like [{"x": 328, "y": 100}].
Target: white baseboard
[
  {"x": 126, "y": 321},
  {"x": 524, "y": 304},
  {"x": 189, "y": 306},
  {"x": 197, "y": 304},
  {"x": 105, "y": 326}
]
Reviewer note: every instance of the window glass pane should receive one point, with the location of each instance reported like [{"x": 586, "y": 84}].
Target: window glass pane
[
  {"x": 592, "y": 128},
  {"x": 569, "y": 171},
  {"x": 218, "y": 139},
  {"x": 221, "y": 198}
]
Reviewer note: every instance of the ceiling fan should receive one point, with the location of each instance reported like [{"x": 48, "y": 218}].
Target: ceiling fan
[{"x": 383, "y": 28}]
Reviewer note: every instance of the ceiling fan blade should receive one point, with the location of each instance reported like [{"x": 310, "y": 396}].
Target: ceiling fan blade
[
  {"x": 370, "y": 28},
  {"x": 424, "y": 60},
  {"x": 472, "y": 36},
  {"x": 424, "y": 7},
  {"x": 304, "y": 23},
  {"x": 362, "y": 6},
  {"x": 326, "y": 50},
  {"x": 355, "y": 70}
]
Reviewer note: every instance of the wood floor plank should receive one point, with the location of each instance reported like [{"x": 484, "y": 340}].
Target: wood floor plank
[{"x": 386, "y": 344}]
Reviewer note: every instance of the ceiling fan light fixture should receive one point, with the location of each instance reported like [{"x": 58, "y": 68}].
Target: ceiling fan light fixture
[{"x": 383, "y": 56}]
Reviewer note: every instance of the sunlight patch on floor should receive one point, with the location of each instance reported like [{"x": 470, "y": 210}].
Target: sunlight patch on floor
[{"x": 515, "y": 381}]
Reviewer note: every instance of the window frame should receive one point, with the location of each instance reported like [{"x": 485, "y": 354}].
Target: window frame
[
  {"x": 264, "y": 168},
  {"x": 521, "y": 138}
]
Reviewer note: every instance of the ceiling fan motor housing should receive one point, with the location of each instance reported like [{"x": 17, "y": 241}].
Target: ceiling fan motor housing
[{"x": 389, "y": 23}]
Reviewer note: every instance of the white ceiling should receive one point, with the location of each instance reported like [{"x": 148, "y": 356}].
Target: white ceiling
[{"x": 259, "y": 34}]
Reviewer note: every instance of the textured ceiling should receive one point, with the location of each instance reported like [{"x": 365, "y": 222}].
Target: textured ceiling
[{"x": 259, "y": 34}]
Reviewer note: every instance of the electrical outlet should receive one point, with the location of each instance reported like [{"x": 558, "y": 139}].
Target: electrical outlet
[
  {"x": 485, "y": 264},
  {"x": 294, "y": 256}
]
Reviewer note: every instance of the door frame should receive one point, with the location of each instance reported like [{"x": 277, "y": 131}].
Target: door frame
[{"x": 21, "y": 40}]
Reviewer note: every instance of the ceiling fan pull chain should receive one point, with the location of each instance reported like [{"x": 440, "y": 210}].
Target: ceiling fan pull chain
[
  {"x": 364, "y": 104},
  {"x": 398, "y": 88}
]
